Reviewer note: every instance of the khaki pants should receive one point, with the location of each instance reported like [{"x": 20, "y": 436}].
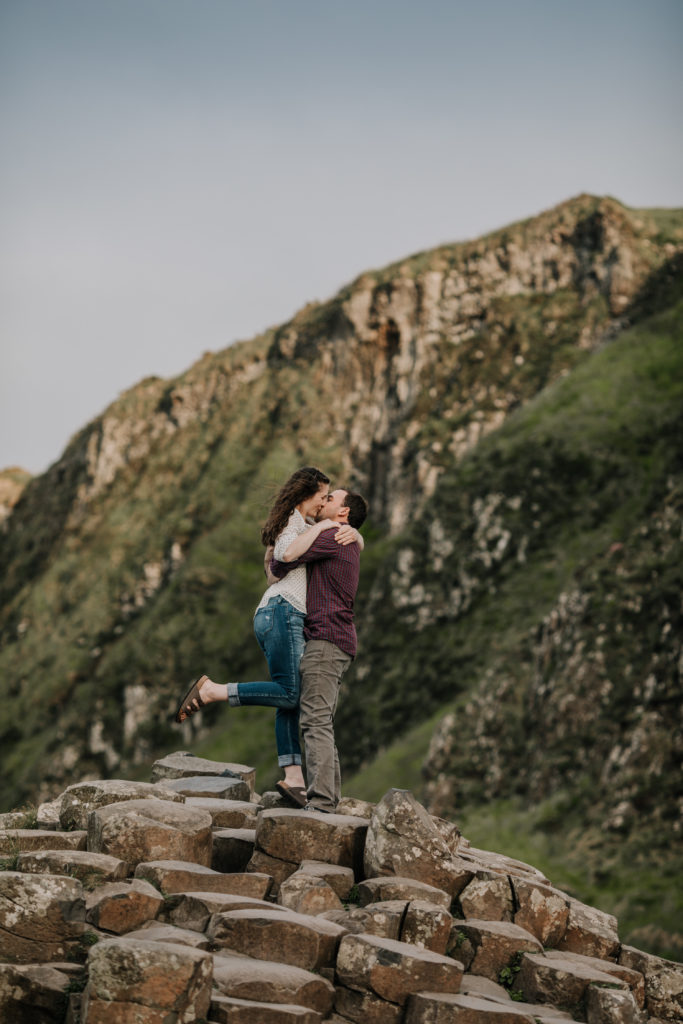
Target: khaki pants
[{"x": 322, "y": 666}]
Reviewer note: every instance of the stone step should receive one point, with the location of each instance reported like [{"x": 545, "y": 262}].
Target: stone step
[
  {"x": 157, "y": 931},
  {"x": 308, "y": 894},
  {"x": 42, "y": 917},
  {"x": 444, "y": 1008},
  {"x": 389, "y": 887},
  {"x": 144, "y": 830},
  {"x": 394, "y": 970},
  {"x": 365, "y": 1007},
  {"x": 271, "y": 982},
  {"x": 181, "y": 765},
  {"x": 331, "y": 838},
  {"x": 274, "y": 867},
  {"x": 193, "y": 910},
  {"x": 89, "y": 868},
  {"x": 560, "y": 981},
  {"x": 216, "y": 786},
  {"x": 32, "y": 994},
  {"x": 634, "y": 979},
  {"x": 663, "y": 982},
  {"x": 226, "y": 813},
  {"x": 590, "y": 931},
  {"x": 486, "y": 947},
  {"x": 171, "y": 876},
  {"x": 121, "y": 907},
  {"x": 229, "y": 1010},
  {"x": 77, "y": 802},
  {"x": 278, "y": 934},
  {"x": 339, "y": 878},
  {"x": 28, "y": 840}
]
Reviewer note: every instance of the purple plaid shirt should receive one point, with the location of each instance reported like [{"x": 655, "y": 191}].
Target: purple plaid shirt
[{"x": 333, "y": 571}]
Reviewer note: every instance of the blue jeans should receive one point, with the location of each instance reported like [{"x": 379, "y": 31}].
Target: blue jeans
[{"x": 279, "y": 629}]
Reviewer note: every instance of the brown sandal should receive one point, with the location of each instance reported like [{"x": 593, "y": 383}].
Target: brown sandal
[
  {"x": 186, "y": 707},
  {"x": 297, "y": 794}
]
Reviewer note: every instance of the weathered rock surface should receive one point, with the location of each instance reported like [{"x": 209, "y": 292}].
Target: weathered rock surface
[
  {"x": 389, "y": 888},
  {"x": 427, "y": 926},
  {"x": 365, "y": 1007},
  {"x": 590, "y": 931},
  {"x": 271, "y": 982},
  {"x": 226, "y": 813},
  {"x": 171, "y": 876},
  {"x": 144, "y": 830},
  {"x": 88, "y": 867},
  {"x": 128, "y": 978},
  {"x": 181, "y": 765},
  {"x": 157, "y": 931},
  {"x": 79, "y": 800},
  {"x": 384, "y": 918},
  {"x": 121, "y": 907},
  {"x": 606, "y": 1006},
  {"x": 488, "y": 896},
  {"x": 634, "y": 979},
  {"x": 442, "y": 1008},
  {"x": 215, "y": 787},
  {"x": 331, "y": 838},
  {"x": 404, "y": 840},
  {"x": 559, "y": 981},
  {"x": 194, "y": 909},
  {"x": 26, "y": 840},
  {"x": 393, "y": 970},
  {"x": 229, "y": 1010},
  {"x": 278, "y": 934},
  {"x": 663, "y": 982},
  {"x": 308, "y": 894},
  {"x": 42, "y": 918},
  {"x": 340, "y": 879},
  {"x": 32, "y": 994},
  {"x": 485, "y": 947},
  {"x": 543, "y": 911}
]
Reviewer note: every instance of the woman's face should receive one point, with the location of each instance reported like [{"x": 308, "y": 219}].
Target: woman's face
[{"x": 311, "y": 506}]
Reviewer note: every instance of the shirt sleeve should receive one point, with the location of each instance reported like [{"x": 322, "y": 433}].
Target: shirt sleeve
[
  {"x": 288, "y": 535},
  {"x": 324, "y": 546}
]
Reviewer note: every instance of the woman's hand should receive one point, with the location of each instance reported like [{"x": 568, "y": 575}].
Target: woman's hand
[{"x": 348, "y": 535}]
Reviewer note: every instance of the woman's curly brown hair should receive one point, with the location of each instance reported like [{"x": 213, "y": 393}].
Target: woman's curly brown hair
[{"x": 301, "y": 485}]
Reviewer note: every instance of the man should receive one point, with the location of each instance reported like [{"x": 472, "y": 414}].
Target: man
[{"x": 330, "y": 634}]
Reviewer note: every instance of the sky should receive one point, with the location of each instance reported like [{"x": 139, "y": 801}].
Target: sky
[{"x": 180, "y": 174}]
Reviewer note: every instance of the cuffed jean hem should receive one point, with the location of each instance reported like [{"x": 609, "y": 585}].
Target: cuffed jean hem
[
  {"x": 284, "y": 760},
  {"x": 233, "y": 695}
]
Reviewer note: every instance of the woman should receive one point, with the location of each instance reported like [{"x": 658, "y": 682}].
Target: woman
[{"x": 279, "y": 629}]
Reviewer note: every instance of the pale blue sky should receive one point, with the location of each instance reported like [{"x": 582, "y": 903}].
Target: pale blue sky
[{"x": 178, "y": 174}]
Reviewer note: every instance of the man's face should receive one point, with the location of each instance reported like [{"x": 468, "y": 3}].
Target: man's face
[
  {"x": 312, "y": 506},
  {"x": 333, "y": 503}
]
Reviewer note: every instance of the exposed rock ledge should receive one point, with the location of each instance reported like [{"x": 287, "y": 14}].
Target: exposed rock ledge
[{"x": 190, "y": 898}]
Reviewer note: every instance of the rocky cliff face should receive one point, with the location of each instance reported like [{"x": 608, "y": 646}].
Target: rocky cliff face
[{"x": 508, "y": 405}]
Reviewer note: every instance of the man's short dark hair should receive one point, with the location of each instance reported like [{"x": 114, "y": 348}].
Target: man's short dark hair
[{"x": 358, "y": 509}]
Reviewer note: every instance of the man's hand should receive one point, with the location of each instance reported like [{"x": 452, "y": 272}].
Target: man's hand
[{"x": 348, "y": 535}]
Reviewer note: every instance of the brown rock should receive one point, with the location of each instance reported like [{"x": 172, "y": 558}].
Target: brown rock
[
  {"x": 32, "y": 994},
  {"x": 121, "y": 907},
  {"x": 181, "y": 765},
  {"x": 89, "y": 868},
  {"x": 663, "y": 982},
  {"x": 42, "y": 917},
  {"x": 232, "y": 849},
  {"x": 171, "y": 876},
  {"x": 557, "y": 981},
  {"x": 483, "y": 988},
  {"x": 605, "y": 1006},
  {"x": 427, "y": 926},
  {"x": 245, "y": 978},
  {"x": 332, "y": 838},
  {"x": 308, "y": 894},
  {"x": 506, "y": 865},
  {"x": 385, "y": 918},
  {"x": 144, "y": 830},
  {"x": 128, "y": 978},
  {"x": 354, "y": 920},
  {"x": 278, "y": 934},
  {"x": 28, "y": 840},
  {"x": 487, "y": 897},
  {"x": 449, "y": 832},
  {"x": 404, "y": 840},
  {"x": 276, "y": 869},
  {"x": 226, "y": 813},
  {"x": 157, "y": 931},
  {"x": 209, "y": 786},
  {"x": 365, "y": 1007},
  {"x": 590, "y": 931},
  {"x": 442, "y": 1008},
  {"x": 337, "y": 877},
  {"x": 228, "y": 1010},
  {"x": 356, "y": 808},
  {"x": 194, "y": 909},
  {"x": 490, "y": 945},
  {"x": 634, "y": 979},
  {"x": 543, "y": 911},
  {"x": 373, "y": 890},
  {"x": 394, "y": 970},
  {"x": 79, "y": 800}
]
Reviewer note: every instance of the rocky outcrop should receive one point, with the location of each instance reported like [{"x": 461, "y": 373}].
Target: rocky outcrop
[{"x": 179, "y": 941}]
